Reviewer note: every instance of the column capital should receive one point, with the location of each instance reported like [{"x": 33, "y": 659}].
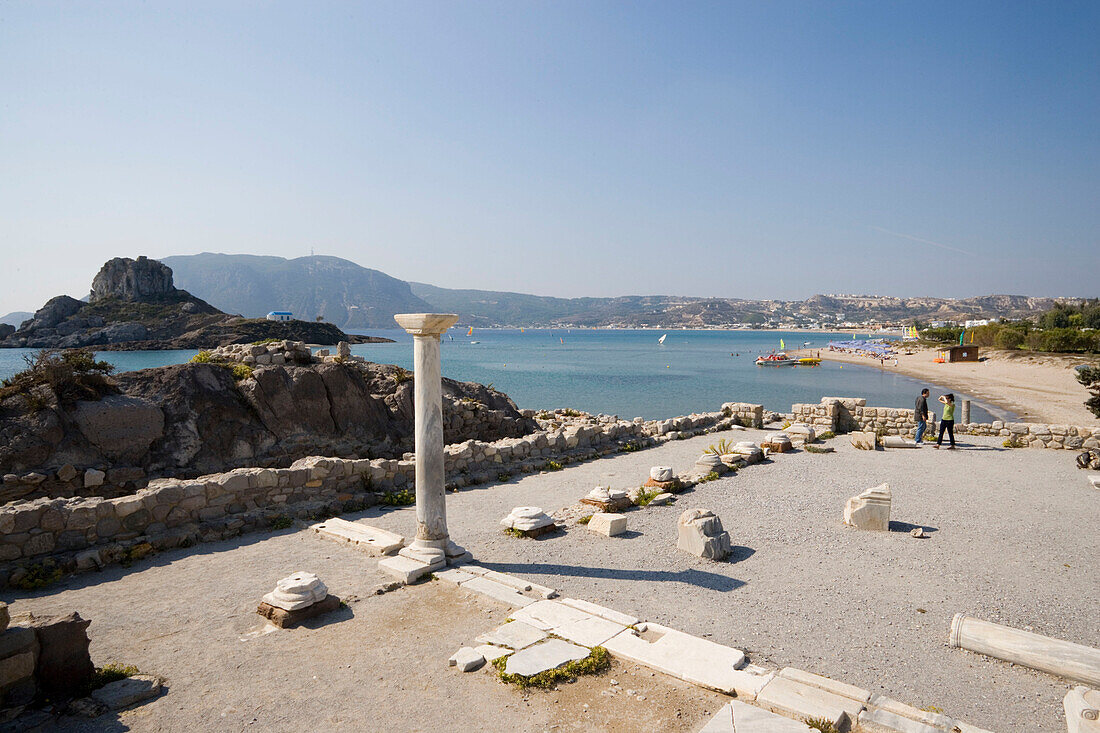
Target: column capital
[{"x": 426, "y": 324}]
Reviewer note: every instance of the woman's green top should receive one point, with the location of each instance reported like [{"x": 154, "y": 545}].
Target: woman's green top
[{"x": 949, "y": 411}]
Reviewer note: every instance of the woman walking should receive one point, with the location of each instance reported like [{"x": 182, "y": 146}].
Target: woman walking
[{"x": 948, "y": 422}]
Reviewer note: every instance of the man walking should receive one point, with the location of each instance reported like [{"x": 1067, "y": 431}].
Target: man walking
[{"x": 920, "y": 415}]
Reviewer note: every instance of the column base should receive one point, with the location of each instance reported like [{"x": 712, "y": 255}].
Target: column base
[{"x": 456, "y": 554}]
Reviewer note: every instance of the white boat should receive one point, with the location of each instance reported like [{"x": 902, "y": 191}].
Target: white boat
[
  {"x": 662, "y": 339},
  {"x": 779, "y": 359}
]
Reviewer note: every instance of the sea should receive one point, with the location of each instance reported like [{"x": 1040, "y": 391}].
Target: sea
[{"x": 623, "y": 372}]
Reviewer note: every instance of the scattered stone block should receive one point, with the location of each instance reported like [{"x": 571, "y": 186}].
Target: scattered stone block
[
  {"x": 285, "y": 619},
  {"x": 509, "y": 580},
  {"x": 776, "y": 443},
  {"x": 373, "y": 540},
  {"x": 608, "y": 525},
  {"x": 63, "y": 665},
  {"x": 296, "y": 591},
  {"x": 661, "y": 473},
  {"x": 919, "y": 533},
  {"x": 532, "y": 521},
  {"x": 514, "y": 635},
  {"x": 606, "y": 499},
  {"x": 749, "y": 451},
  {"x": 661, "y": 499},
  {"x": 545, "y": 655},
  {"x": 66, "y": 473},
  {"x": 897, "y": 441},
  {"x": 689, "y": 658},
  {"x": 1082, "y": 706},
  {"x": 798, "y": 700},
  {"x": 800, "y": 433},
  {"x": 93, "y": 477},
  {"x": 863, "y": 441},
  {"x": 466, "y": 660},
  {"x": 885, "y": 714},
  {"x": 699, "y": 532},
  {"x": 824, "y": 683},
  {"x": 870, "y": 510},
  {"x": 738, "y": 717},
  {"x": 708, "y": 463},
  {"x": 454, "y": 575},
  {"x": 130, "y": 691},
  {"x": 1094, "y": 479}
]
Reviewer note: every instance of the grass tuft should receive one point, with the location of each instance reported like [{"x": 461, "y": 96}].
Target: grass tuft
[
  {"x": 281, "y": 522},
  {"x": 402, "y": 497},
  {"x": 645, "y": 496},
  {"x": 585, "y": 519},
  {"x": 821, "y": 724},
  {"x": 513, "y": 532},
  {"x": 40, "y": 575},
  {"x": 816, "y": 449},
  {"x": 597, "y": 662},
  {"x": 827, "y": 435},
  {"x": 553, "y": 466},
  {"x": 712, "y": 476}
]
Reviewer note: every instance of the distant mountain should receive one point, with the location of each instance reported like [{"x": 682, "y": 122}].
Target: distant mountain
[
  {"x": 16, "y": 318},
  {"x": 350, "y": 296},
  {"x": 338, "y": 290}
]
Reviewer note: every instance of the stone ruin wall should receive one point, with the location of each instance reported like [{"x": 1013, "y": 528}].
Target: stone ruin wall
[
  {"x": 86, "y": 533},
  {"x": 847, "y": 414}
]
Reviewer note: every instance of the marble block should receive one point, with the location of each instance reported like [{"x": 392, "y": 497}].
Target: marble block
[
  {"x": 897, "y": 441},
  {"x": 709, "y": 462},
  {"x": 466, "y": 659},
  {"x": 699, "y": 531},
  {"x": 869, "y": 510},
  {"x": 514, "y": 635},
  {"x": 801, "y": 433},
  {"x": 527, "y": 518},
  {"x": 1094, "y": 479},
  {"x": 296, "y": 591},
  {"x": 608, "y": 525},
  {"x": 1082, "y": 706},
  {"x": 370, "y": 539},
  {"x": 802, "y": 701},
  {"x": 738, "y": 717},
  {"x": 288, "y": 619},
  {"x": 607, "y": 499},
  {"x": 863, "y": 441},
  {"x": 660, "y": 499},
  {"x": 543, "y": 656},
  {"x": 776, "y": 442},
  {"x": 661, "y": 473}
]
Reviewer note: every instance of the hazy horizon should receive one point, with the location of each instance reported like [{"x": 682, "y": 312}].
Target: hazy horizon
[{"x": 758, "y": 151}]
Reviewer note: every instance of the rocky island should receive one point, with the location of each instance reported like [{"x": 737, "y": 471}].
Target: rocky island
[{"x": 133, "y": 305}]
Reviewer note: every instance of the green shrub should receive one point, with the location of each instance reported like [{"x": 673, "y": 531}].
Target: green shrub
[
  {"x": 816, "y": 449},
  {"x": 827, "y": 435},
  {"x": 105, "y": 675},
  {"x": 569, "y": 412},
  {"x": 1089, "y": 376},
  {"x": 644, "y": 496},
  {"x": 822, "y": 724},
  {"x": 402, "y": 497},
  {"x": 203, "y": 357},
  {"x": 240, "y": 371},
  {"x": 282, "y": 522},
  {"x": 553, "y": 466},
  {"x": 39, "y": 575},
  {"x": 712, "y": 476},
  {"x": 71, "y": 374},
  {"x": 400, "y": 375},
  {"x": 629, "y": 447},
  {"x": 262, "y": 342}
]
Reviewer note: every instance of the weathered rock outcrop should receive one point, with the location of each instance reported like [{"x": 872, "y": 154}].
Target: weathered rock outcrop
[
  {"x": 133, "y": 305},
  {"x": 193, "y": 419},
  {"x": 137, "y": 280}
]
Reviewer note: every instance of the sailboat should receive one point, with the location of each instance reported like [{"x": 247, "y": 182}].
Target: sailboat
[{"x": 662, "y": 339}]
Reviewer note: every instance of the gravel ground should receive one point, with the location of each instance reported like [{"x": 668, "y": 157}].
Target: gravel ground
[{"x": 1013, "y": 539}]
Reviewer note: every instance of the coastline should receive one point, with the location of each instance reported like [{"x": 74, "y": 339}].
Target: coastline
[{"x": 1036, "y": 387}]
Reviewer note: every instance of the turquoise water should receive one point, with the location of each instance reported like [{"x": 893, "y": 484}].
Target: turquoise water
[{"x": 625, "y": 373}]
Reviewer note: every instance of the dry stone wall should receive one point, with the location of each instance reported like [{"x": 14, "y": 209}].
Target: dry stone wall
[
  {"x": 847, "y": 414},
  {"x": 85, "y": 533}
]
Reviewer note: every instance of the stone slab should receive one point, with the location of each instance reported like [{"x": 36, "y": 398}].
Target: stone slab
[
  {"x": 466, "y": 659},
  {"x": 545, "y": 655},
  {"x": 660, "y": 499},
  {"x": 372, "y": 540},
  {"x": 802, "y": 701},
  {"x": 689, "y": 658},
  {"x": 608, "y": 525},
  {"x": 601, "y": 611},
  {"x": 886, "y": 722},
  {"x": 547, "y": 615},
  {"x": 611, "y": 505},
  {"x": 492, "y": 652},
  {"x": 289, "y": 619},
  {"x": 130, "y": 691},
  {"x": 824, "y": 683},
  {"x": 508, "y": 580},
  {"x": 882, "y": 702},
  {"x": 454, "y": 575},
  {"x": 739, "y": 717},
  {"x": 406, "y": 569},
  {"x": 897, "y": 441},
  {"x": 497, "y": 591},
  {"x": 1094, "y": 479},
  {"x": 515, "y": 635},
  {"x": 589, "y": 632}
]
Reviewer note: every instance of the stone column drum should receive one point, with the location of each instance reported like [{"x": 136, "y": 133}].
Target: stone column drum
[{"x": 432, "y": 544}]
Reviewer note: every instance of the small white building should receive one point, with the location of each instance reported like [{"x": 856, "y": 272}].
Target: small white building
[
  {"x": 978, "y": 322},
  {"x": 280, "y": 316}
]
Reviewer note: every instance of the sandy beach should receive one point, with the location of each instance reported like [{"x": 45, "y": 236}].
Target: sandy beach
[{"x": 1037, "y": 387}]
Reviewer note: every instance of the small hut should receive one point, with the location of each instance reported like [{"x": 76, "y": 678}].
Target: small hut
[{"x": 961, "y": 353}]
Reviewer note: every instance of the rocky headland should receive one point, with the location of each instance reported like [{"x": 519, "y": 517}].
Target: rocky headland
[
  {"x": 192, "y": 419},
  {"x": 133, "y": 305}
]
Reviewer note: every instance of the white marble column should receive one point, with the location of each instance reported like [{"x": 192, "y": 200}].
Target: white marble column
[
  {"x": 432, "y": 545},
  {"x": 1055, "y": 656}
]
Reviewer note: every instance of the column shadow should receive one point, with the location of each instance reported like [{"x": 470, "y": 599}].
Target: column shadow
[{"x": 691, "y": 576}]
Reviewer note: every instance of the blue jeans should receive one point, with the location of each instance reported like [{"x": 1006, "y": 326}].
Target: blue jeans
[{"x": 921, "y": 427}]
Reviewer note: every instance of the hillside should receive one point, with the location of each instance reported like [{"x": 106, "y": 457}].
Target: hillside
[
  {"x": 338, "y": 290},
  {"x": 351, "y": 296},
  {"x": 16, "y": 318}
]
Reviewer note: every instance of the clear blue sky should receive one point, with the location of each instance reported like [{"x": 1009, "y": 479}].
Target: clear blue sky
[{"x": 742, "y": 149}]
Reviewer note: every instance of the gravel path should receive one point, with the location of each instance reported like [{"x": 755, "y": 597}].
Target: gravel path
[{"x": 1013, "y": 540}]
